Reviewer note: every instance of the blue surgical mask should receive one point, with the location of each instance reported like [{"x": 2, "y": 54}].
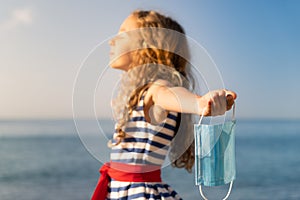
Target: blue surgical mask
[{"x": 215, "y": 154}]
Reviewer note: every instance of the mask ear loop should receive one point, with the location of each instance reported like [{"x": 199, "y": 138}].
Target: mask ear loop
[
  {"x": 233, "y": 112},
  {"x": 231, "y": 182}
]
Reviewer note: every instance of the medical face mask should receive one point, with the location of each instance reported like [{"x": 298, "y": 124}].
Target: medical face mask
[{"x": 215, "y": 154}]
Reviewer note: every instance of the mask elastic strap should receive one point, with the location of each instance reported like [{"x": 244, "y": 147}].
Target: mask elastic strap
[
  {"x": 233, "y": 112},
  {"x": 227, "y": 195},
  {"x": 201, "y": 117}
]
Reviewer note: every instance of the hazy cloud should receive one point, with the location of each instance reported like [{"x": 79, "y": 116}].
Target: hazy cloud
[{"x": 18, "y": 17}]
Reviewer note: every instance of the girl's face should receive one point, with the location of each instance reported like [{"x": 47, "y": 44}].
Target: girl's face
[{"x": 121, "y": 45}]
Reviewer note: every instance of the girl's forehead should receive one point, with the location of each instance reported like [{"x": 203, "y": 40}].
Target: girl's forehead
[{"x": 129, "y": 24}]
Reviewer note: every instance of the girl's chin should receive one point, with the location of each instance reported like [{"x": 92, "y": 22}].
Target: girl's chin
[
  {"x": 122, "y": 62},
  {"x": 114, "y": 66}
]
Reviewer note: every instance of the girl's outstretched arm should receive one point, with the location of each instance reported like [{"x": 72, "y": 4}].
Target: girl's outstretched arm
[{"x": 179, "y": 99}]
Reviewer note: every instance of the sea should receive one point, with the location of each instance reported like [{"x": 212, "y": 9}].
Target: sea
[{"x": 48, "y": 160}]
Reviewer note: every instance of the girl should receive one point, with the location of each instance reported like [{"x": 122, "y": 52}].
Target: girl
[{"x": 153, "y": 108}]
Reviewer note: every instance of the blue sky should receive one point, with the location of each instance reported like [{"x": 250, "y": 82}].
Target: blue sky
[{"x": 255, "y": 45}]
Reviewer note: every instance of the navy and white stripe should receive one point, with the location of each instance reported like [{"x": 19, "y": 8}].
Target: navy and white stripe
[
  {"x": 143, "y": 144},
  {"x": 126, "y": 190}
]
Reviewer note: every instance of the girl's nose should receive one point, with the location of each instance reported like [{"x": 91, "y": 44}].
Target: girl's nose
[{"x": 112, "y": 41}]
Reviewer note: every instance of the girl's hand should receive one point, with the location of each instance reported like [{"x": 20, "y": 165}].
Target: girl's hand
[{"x": 216, "y": 102}]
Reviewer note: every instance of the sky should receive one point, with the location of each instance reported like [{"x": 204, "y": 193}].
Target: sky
[{"x": 43, "y": 44}]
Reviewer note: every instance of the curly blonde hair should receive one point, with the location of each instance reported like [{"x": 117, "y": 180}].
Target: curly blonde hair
[{"x": 169, "y": 50}]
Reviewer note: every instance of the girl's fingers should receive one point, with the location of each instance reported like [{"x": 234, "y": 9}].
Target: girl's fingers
[
  {"x": 223, "y": 102},
  {"x": 218, "y": 102},
  {"x": 230, "y": 97},
  {"x": 208, "y": 108},
  {"x": 230, "y": 101},
  {"x": 233, "y": 94}
]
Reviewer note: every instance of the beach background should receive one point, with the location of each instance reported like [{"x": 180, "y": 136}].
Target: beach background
[
  {"x": 45, "y": 159},
  {"x": 44, "y": 44}
]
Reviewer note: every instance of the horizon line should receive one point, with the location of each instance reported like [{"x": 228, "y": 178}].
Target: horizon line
[{"x": 107, "y": 118}]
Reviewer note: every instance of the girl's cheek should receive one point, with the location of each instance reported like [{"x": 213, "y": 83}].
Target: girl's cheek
[{"x": 125, "y": 47}]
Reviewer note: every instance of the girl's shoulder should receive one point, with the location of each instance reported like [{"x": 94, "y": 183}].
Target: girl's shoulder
[
  {"x": 149, "y": 99},
  {"x": 155, "y": 86}
]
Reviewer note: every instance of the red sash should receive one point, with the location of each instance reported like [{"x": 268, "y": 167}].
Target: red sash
[{"x": 124, "y": 172}]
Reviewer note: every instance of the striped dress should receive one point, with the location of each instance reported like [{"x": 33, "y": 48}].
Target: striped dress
[{"x": 144, "y": 144}]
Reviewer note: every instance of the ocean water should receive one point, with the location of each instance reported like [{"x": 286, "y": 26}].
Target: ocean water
[{"x": 46, "y": 159}]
